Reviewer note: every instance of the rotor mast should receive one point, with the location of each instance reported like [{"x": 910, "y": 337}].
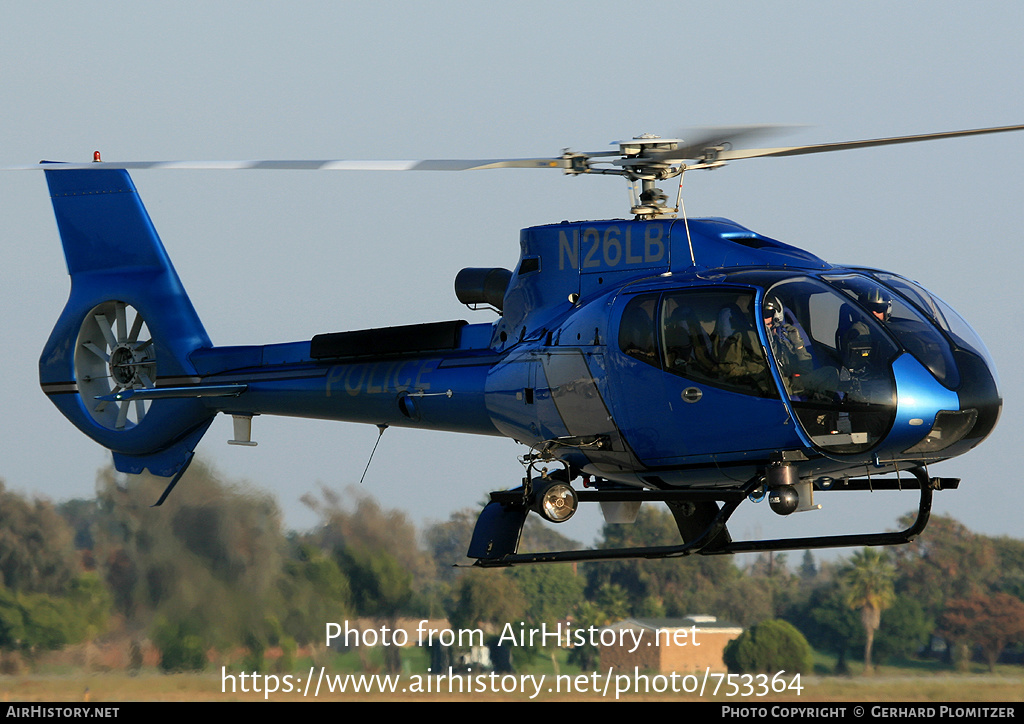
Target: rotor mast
[
  {"x": 648, "y": 159},
  {"x": 637, "y": 165}
]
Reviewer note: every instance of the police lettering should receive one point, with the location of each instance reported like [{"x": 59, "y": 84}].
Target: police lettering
[{"x": 378, "y": 377}]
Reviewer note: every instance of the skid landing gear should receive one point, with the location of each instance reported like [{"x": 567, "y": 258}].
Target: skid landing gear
[{"x": 701, "y": 513}]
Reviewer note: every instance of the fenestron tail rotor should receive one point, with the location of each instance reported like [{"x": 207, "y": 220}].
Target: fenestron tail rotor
[{"x": 114, "y": 353}]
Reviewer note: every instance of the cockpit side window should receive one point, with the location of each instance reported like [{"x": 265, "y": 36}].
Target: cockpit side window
[
  {"x": 738, "y": 358},
  {"x": 705, "y": 336},
  {"x": 637, "y": 331}
]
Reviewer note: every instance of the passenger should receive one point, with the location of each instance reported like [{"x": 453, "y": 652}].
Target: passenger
[
  {"x": 687, "y": 345},
  {"x": 738, "y": 349}
]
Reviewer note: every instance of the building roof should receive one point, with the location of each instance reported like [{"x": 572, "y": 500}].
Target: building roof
[{"x": 701, "y": 621}]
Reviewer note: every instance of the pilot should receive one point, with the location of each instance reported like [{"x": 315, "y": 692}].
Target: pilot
[{"x": 878, "y": 303}]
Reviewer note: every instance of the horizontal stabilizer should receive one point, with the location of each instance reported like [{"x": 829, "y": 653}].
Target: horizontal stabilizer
[{"x": 165, "y": 393}]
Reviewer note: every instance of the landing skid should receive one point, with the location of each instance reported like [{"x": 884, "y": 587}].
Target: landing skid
[{"x": 496, "y": 537}]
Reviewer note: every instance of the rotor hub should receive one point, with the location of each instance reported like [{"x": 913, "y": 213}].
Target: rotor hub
[
  {"x": 647, "y": 142},
  {"x": 125, "y": 363}
]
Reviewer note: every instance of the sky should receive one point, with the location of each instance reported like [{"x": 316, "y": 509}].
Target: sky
[{"x": 282, "y": 256}]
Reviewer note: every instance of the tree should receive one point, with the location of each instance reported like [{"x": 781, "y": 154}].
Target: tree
[
  {"x": 45, "y": 600},
  {"x": 1010, "y": 556},
  {"x": 540, "y": 536},
  {"x": 32, "y": 622},
  {"x": 611, "y": 605},
  {"x": 449, "y": 541},
  {"x": 362, "y": 524},
  {"x": 947, "y": 561},
  {"x": 551, "y": 592},
  {"x": 182, "y": 647},
  {"x": 381, "y": 588},
  {"x": 647, "y": 582},
  {"x": 869, "y": 588},
  {"x": 769, "y": 647},
  {"x": 378, "y": 552},
  {"x": 677, "y": 586},
  {"x": 315, "y": 590},
  {"x": 808, "y": 567},
  {"x": 36, "y": 552},
  {"x": 208, "y": 561},
  {"x": 12, "y": 620},
  {"x": 380, "y": 585},
  {"x": 486, "y": 599},
  {"x": 905, "y": 629},
  {"x": 829, "y": 624},
  {"x": 989, "y": 622}
]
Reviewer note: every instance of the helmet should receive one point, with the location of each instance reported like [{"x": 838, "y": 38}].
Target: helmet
[
  {"x": 773, "y": 310},
  {"x": 877, "y": 302}
]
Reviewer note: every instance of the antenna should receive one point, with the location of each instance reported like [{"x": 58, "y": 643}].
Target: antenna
[{"x": 381, "y": 428}]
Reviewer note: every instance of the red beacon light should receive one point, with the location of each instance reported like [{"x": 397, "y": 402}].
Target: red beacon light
[{"x": 96, "y": 157}]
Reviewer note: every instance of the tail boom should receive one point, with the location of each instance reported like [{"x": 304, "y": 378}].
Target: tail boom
[{"x": 130, "y": 364}]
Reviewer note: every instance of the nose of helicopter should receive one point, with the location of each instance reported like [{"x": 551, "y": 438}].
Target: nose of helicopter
[
  {"x": 979, "y": 391},
  {"x": 933, "y": 422}
]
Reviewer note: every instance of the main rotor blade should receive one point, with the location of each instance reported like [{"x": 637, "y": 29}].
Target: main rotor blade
[
  {"x": 324, "y": 165},
  {"x": 734, "y": 155},
  {"x": 697, "y": 141},
  {"x": 699, "y": 147}
]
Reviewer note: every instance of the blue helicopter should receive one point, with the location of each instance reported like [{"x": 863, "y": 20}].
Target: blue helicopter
[{"x": 655, "y": 358}]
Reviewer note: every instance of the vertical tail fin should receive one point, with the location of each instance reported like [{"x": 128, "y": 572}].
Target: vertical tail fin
[{"x": 128, "y": 325}]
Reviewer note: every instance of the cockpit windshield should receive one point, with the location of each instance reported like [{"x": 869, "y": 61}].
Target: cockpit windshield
[
  {"x": 835, "y": 361},
  {"x": 942, "y": 314},
  {"x": 917, "y": 335}
]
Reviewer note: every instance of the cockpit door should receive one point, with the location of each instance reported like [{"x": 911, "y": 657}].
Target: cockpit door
[{"x": 698, "y": 386}]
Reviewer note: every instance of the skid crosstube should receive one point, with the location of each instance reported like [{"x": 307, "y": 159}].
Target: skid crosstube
[{"x": 497, "y": 535}]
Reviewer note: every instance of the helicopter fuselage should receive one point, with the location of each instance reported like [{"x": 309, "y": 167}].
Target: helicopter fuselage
[
  {"x": 690, "y": 361},
  {"x": 619, "y": 356}
]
